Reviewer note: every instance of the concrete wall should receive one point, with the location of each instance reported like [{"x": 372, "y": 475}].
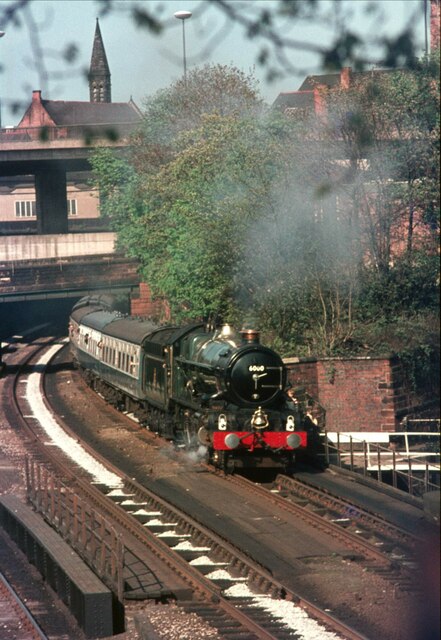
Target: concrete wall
[{"x": 35, "y": 247}]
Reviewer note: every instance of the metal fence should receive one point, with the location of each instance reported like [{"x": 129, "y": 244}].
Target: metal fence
[
  {"x": 95, "y": 540},
  {"x": 407, "y": 460}
]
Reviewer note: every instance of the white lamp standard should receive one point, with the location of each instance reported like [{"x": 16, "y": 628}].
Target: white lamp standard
[
  {"x": 183, "y": 15},
  {"x": 2, "y": 33}
]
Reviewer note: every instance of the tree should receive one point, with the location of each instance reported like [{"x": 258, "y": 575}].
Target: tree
[
  {"x": 386, "y": 126},
  {"x": 188, "y": 175},
  {"x": 294, "y": 225},
  {"x": 210, "y": 89}
]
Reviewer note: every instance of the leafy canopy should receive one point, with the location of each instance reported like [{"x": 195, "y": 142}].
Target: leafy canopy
[{"x": 321, "y": 230}]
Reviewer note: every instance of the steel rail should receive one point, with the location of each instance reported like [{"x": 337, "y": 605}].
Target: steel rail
[
  {"x": 8, "y": 593},
  {"x": 355, "y": 511},
  {"x": 350, "y": 539},
  {"x": 201, "y": 584}
]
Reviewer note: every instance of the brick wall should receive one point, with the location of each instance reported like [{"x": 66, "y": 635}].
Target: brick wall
[
  {"x": 143, "y": 305},
  {"x": 358, "y": 394}
]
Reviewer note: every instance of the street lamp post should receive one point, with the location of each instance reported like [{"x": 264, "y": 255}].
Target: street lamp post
[
  {"x": 183, "y": 15},
  {"x": 2, "y": 33}
]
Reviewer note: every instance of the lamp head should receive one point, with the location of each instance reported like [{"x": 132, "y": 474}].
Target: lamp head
[{"x": 183, "y": 15}]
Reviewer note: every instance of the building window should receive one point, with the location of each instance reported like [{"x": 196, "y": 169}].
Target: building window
[
  {"x": 72, "y": 208},
  {"x": 25, "y": 208}
]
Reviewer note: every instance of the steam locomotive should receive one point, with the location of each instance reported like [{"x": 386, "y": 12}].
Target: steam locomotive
[{"x": 207, "y": 389}]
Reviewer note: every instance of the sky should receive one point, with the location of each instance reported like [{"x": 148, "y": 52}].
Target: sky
[{"x": 142, "y": 63}]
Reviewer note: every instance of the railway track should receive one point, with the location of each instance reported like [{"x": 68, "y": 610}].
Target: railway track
[
  {"x": 381, "y": 546},
  {"x": 233, "y": 593},
  {"x": 16, "y": 621}
]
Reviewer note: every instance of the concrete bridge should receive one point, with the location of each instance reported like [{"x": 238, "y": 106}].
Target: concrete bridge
[
  {"x": 54, "y": 263},
  {"x": 63, "y": 266},
  {"x": 49, "y": 154}
]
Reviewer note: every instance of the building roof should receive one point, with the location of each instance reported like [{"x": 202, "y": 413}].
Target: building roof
[
  {"x": 304, "y": 97},
  {"x": 100, "y": 89},
  {"x": 297, "y": 99},
  {"x": 81, "y": 113},
  {"x": 73, "y": 118}
]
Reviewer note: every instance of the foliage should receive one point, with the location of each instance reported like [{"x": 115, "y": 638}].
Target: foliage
[
  {"x": 210, "y": 89},
  {"x": 388, "y": 127},
  {"x": 183, "y": 203},
  {"x": 206, "y": 199},
  {"x": 409, "y": 288},
  {"x": 230, "y": 216}
]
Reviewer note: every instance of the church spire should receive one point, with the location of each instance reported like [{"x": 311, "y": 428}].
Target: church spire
[{"x": 99, "y": 73}]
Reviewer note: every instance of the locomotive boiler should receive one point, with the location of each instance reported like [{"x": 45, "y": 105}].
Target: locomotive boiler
[{"x": 209, "y": 389}]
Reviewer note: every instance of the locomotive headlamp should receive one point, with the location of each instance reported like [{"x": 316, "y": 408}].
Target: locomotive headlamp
[
  {"x": 259, "y": 419},
  {"x": 222, "y": 422},
  {"x": 232, "y": 440},
  {"x": 290, "y": 423},
  {"x": 294, "y": 440}
]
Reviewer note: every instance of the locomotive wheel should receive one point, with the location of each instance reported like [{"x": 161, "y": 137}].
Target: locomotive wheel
[
  {"x": 290, "y": 464},
  {"x": 221, "y": 460}
]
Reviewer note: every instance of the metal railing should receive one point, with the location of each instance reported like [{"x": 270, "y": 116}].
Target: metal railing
[
  {"x": 95, "y": 540},
  {"x": 407, "y": 460}
]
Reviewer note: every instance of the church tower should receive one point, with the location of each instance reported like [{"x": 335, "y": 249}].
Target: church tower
[{"x": 99, "y": 73}]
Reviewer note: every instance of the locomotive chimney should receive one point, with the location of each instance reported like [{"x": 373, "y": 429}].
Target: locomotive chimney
[{"x": 250, "y": 336}]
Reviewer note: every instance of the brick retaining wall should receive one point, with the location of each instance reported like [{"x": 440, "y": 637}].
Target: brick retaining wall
[
  {"x": 143, "y": 305},
  {"x": 358, "y": 394}
]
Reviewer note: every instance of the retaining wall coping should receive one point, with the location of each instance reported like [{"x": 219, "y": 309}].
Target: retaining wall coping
[{"x": 301, "y": 360}]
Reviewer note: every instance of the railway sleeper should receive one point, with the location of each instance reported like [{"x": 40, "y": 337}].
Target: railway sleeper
[{"x": 215, "y": 617}]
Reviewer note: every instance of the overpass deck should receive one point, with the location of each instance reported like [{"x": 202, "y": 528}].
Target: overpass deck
[
  {"x": 55, "y": 246},
  {"x": 63, "y": 266}
]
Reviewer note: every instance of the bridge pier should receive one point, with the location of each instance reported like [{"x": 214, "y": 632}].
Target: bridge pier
[{"x": 51, "y": 198}]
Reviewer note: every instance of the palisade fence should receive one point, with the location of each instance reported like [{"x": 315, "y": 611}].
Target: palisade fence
[
  {"x": 86, "y": 531},
  {"x": 407, "y": 459}
]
